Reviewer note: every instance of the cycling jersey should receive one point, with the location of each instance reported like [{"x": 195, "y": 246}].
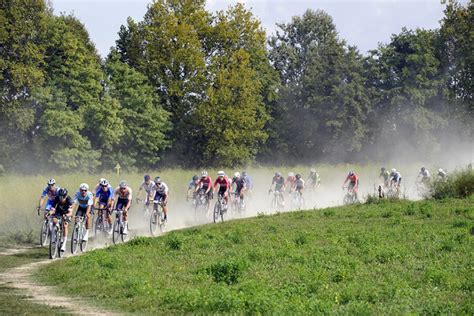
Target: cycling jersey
[
  {"x": 385, "y": 175},
  {"x": 248, "y": 182},
  {"x": 291, "y": 180},
  {"x": 354, "y": 179},
  {"x": 50, "y": 193},
  {"x": 160, "y": 189},
  {"x": 83, "y": 201},
  {"x": 396, "y": 176},
  {"x": 279, "y": 183},
  {"x": 147, "y": 187},
  {"x": 104, "y": 194},
  {"x": 425, "y": 174},
  {"x": 205, "y": 182},
  {"x": 239, "y": 183},
  {"x": 222, "y": 182},
  {"x": 62, "y": 208},
  {"x": 126, "y": 194},
  {"x": 299, "y": 183}
]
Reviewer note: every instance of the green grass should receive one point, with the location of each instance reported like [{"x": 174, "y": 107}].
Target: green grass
[{"x": 379, "y": 258}]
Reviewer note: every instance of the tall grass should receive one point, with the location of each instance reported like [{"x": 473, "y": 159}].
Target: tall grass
[{"x": 459, "y": 184}]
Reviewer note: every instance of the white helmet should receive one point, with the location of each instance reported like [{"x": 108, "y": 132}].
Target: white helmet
[
  {"x": 204, "y": 173},
  {"x": 237, "y": 175},
  {"x": 312, "y": 170},
  {"x": 393, "y": 170},
  {"x": 221, "y": 173},
  {"x": 51, "y": 181},
  {"x": 290, "y": 174},
  {"x": 103, "y": 182},
  {"x": 440, "y": 170},
  {"x": 84, "y": 186}
]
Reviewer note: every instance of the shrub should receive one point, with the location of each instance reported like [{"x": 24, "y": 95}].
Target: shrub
[
  {"x": 174, "y": 242},
  {"x": 228, "y": 272},
  {"x": 459, "y": 185}
]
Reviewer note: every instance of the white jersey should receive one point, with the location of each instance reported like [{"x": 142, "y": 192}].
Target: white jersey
[
  {"x": 161, "y": 188},
  {"x": 425, "y": 174},
  {"x": 147, "y": 187}
]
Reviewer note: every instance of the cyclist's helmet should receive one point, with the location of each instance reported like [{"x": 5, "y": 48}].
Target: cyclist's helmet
[
  {"x": 237, "y": 175},
  {"x": 195, "y": 177},
  {"x": 157, "y": 180},
  {"x": 423, "y": 169},
  {"x": 51, "y": 181},
  {"x": 290, "y": 174},
  {"x": 104, "y": 182},
  {"x": 221, "y": 173},
  {"x": 277, "y": 174},
  {"x": 393, "y": 170},
  {"x": 351, "y": 173},
  {"x": 204, "y": 174},
  {"x": 312, "y": 170},
  {"x": 84, "y": 186},
  {"x": 123, "y": 184},
  {"x": 298, "y": 176},
  {"x": 147, "y": 177},
  {"x": 440, "y": 170},
  {"x": 62, "y": 192}
]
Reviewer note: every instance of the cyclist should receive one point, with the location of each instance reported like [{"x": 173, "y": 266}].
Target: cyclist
[
  {"x": 279, "y": 187},
  {"x": 353, "y": 182},
  {"x": 205, "y": 184},
  {"x": 395, "y": 178},
  {"x": 240, "y": 186},
  {"x": 299, "y": 184},
  {"x": 290, "y": 181},
  {"x": 315, "y": 179},
  {"x": 385, "y": 176},
  {"x": 51, "y": 191},
  {"x": 442, "y": 175},
  {"x": 424, "y": 176},
  {"x": 224, "y": 186},
  {"x": 192, "y": 188},
  {"x": 161, "y": 193},
  {"x": 248, "y": 184},
  {"x": 124, "y": 199},
  {"x": 104, "y": 198},
  {"x": 62, "y": 208},
  {"x": 146, "y": 185},
  {"x": 84, "y": 200}
]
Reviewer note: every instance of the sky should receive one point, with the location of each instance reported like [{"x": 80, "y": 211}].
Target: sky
[{"x": 363, "y": 23}]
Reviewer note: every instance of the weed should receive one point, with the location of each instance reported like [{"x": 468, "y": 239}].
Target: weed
[
  {"x": 227, "y": 272},
  {"x": 174, "y": 242}
]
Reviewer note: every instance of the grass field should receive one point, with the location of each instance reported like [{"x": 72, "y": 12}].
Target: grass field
[{"x": 380, "y": 258}]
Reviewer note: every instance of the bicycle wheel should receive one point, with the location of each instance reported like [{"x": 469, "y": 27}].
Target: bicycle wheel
[
  {"x": 116, "y": 232},
  {"x": 75, "y": 239},
  {"x": 222, "y": 212},
  {"x": 44, "y": 234},
  {"x": 347, "y": 199},
  {"x": 154, "y": 222},
  {"x": 98, "y": 226},
  {"x": 217, "y": 212},
  {"x": 53, "y": 243},
  {"x": 83, "y": 242},
  {"x": 123, "y": 237}
]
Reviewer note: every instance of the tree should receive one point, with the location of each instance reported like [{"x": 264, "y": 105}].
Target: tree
[
  {"x": 323, "y": 106},
  {"x": 145, "y": 121}
]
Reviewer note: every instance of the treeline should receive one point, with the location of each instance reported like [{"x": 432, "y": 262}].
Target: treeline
[{"x": 189, "y": 87}]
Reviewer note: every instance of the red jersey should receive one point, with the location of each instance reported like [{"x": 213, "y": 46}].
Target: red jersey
[
  {"x": 206, "y": 182},
  {"x": 353, "y": 179},
  {"x": 224, "y": 182},
  {"x": 290, "y": 179}
]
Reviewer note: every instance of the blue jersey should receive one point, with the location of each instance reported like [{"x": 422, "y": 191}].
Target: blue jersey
[
  {"x": 84, "y": 201},
  {"x": 104, "y": 194},
  {"x": 50, "y": 193}
]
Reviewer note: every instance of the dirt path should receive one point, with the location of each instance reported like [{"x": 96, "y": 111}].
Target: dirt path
[{"x": 21, "y": 278}]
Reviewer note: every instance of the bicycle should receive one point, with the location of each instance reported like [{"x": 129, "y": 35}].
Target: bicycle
[
  {"x": 350, "y": 196},
  {"x": 119, "y": 228},
  {"x": 200, "y": 205},
  {"x": 78, "y": 235},
  {"x": 297, "y": 201},
  {"x": 278, "y": 204},
  {"x": 56, "y": 238},
  {"x": 156, "y": 218},
  {"x": 393, "y": 191},
  {"x": 101, "y": 224},
  {"x": 238, "y": 205},
  {"x": 219, "y": 209},
  {"x": 45, "y": 228},
  {"x": 146, "y": 209}
]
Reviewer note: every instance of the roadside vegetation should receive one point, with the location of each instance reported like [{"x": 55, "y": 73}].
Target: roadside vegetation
[
  {"x": 458, "y": 185},
  {"x": 390, "y": 257}
]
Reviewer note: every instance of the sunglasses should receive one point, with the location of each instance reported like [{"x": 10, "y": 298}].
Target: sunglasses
[{"x": 83, "y": 190}]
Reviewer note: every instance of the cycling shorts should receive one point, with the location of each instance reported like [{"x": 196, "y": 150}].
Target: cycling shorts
[
  {"x": 160, "y": 197},
  {"x": 49, "y": 204},
  {"x": 222, "y": 190},
  {"x": 122, "y": 203},
  {"x": 81, "y": 211}
]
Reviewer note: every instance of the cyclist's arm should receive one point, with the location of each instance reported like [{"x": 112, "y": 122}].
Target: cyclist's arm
[{"x": 129, "y": 199}]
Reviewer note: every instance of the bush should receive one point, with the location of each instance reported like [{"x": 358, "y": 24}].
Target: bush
[
  {"x": 459, "y": 185},
  {"x": 227, "y": 272}
]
